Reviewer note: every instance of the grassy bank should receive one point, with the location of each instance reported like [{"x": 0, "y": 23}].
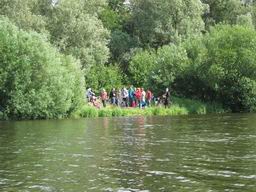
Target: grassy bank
[{"x": 179, "y": 107}]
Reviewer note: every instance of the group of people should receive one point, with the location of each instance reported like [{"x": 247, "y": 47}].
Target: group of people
[{"x": 132, "y": 97}]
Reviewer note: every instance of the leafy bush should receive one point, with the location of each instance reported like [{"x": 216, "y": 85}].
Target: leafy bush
[
  {"x": 171, "y": 62},
  {"x": 140, "y": 67},
  {"x": 230, "y": 66},
  {"x": 35, "y": 80},
  {"x": 158, "y": 70},
  {"x": 104, "y": 77},
  {"x": 75, "y": 29},
  {"x": 222, "y": 68}
]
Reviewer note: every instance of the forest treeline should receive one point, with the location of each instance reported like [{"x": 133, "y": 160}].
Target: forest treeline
[{"x": 50, "y": 50}]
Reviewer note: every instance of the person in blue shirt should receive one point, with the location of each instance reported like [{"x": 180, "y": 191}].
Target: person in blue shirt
[{"x": 131, "y": 96}]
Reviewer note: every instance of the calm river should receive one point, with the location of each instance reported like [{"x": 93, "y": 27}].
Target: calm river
[{"x": 140, "y": 154}]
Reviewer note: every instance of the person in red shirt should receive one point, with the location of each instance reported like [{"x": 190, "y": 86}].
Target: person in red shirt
[{"x": 138, "y": 96}]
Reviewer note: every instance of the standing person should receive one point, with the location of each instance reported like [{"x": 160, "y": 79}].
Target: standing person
[
  {"x": 131, "y": 96},
  {"x": 149, "y": 97},
  {"x": 166, "y": 97},
  {"x": 143, "y": 98},
  {"x": 119, "y": 97},
  {"x": 88, "y": 94},
  {"x": 125, "y": 96},
  {"x": 112, "y": 96},
  {"x": 138, "y": 96},
  {"x": 104, "y": 97}
]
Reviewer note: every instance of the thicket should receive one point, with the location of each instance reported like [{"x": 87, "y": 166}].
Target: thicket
[
  {"x": 222, "y": 67},
  {"x": 36, "y": 81},
  {"x": 180, "y": 106},
  {"x": 200, "y": 49},
  {"x": 217, "y": 67}
]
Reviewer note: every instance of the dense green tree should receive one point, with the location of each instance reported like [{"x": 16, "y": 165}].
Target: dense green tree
[
  {"x": 76, "y": 30},
  {"x": 222, "y": 67},
  {"x": 154, "y": 43},
  {"x": 35, "y": 80},
  {"x": 158, "y": 70},
  {"x": 23, "y": 14},
  {"x": 218, "y": 66},
  {"x": 140, "y": 67},
  {"x": 245, "y": 20},
  {"x": 105, "y": 77},
  {"x": 120, "y": 44},
  {"x": 171, "y": 62},
  {"x": 111, "y": 19},
  {"x": 190, "y": 84},
  {"x": 230, "y": 67},
  {"x": 115, "y": 17},
  {"x": 253, "y": 12},
  {"x": 225, "y": 11},
  {"x": 160, "y": 22}
]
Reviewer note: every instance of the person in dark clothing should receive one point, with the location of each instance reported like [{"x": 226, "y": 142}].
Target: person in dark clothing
[
  {"x": 112, "y": 96},
  {"x": 166, "y": 98}
]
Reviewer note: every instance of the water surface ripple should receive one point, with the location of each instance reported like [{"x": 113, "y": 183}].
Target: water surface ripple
[{"x": 140, "y": 154}]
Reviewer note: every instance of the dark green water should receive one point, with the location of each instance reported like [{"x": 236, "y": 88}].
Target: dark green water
[{"x": 187, "y": 153}]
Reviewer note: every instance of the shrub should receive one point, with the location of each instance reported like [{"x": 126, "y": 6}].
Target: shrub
[
  {"x": 104, "y": 77},
  {"x": 140, "y": 67},
  {"x": 35, "y": 80},
  {"x": 230, "y": 67},
  {"x": 222, "y": 68},
  {"x": 87, "y": 111}
]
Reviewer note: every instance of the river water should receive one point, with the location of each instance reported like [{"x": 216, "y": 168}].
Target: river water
[{"x": 140, "y": 154}]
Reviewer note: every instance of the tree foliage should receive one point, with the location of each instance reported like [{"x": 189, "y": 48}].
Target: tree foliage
[
  {"x": 158, "y": 70},
  {"x": 35, "y": 80},
  {"x": 181, "y": 44},
  {"x": 105, "y": 77},
  {"x": 140, "y": 67},
  {"x": 222, "y": 67},
  {"x": 171, "y": 62},
  {"x": 231, "y": 65},
  {"x": 24, "y": 14},
  {"x": 76, "y": 30},
  {"x": 160, "y": 22},
  {"x": 225, "y": 11}
]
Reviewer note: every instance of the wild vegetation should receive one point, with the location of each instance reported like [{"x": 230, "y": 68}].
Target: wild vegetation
[
  {"x": 50, "y": 50},
  {"x": 180, "y": 106}
]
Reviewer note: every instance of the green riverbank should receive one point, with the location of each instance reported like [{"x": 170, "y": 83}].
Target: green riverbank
[{"x": 179, "y": 106}]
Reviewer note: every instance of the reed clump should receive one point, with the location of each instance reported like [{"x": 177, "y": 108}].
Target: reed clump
[{"x": 179, "y": 106}]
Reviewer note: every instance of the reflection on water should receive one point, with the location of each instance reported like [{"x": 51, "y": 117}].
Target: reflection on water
[{"x": 187, "y": 153}]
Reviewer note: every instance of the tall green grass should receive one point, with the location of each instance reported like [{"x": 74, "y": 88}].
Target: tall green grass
[
  {"x": 179, "y": 106},
  {"x": 198, "y": 107}
]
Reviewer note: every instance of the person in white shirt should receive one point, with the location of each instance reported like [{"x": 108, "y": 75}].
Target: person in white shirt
[
  {"x": 143, "y": 98},
  {"x": 125, "y": 95}
]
